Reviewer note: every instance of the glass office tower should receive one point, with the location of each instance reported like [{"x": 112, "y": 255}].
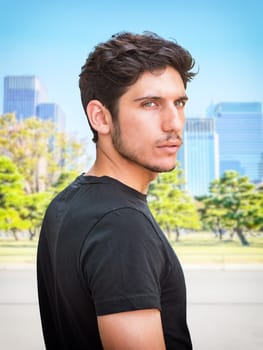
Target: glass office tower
[
  {"x": 22, "y": 94},
  {"x": 52, "y": 112},
  {"x": 199, "y": 155},
  {"x": 239, "y": 127}
]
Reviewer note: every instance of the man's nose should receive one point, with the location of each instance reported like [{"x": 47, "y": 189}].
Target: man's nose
[{"x": 173, "y": 119}]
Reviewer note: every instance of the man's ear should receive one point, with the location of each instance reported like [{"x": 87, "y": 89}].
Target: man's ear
[{"x": 99, "y": 117}]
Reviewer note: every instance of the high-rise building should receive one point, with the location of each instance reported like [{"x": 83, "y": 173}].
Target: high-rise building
[
  {"x": 199, "y": 155},
  {"x": 22, "y": 94},
  {"x": 52, "y": 112},
  {"x": 240, "y": 130}
]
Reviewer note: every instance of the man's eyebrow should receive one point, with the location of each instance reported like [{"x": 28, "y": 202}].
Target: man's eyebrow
[
  {"x": 152, "y": 97},
  {"x": 147, "y": 97},
  {"x": 182, "y": 98}
]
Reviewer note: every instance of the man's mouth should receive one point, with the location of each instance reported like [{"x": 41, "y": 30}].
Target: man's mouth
[{"x": 170, "y": 147}]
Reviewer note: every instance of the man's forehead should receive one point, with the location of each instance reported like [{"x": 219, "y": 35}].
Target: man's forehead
[{"x": 158, "y": 83}]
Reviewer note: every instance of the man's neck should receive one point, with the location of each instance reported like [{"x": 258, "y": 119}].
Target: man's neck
[{"x": 131, "y": 174}]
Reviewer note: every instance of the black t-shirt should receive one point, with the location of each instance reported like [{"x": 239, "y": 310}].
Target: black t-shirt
[{"x": 101, "y": 252}]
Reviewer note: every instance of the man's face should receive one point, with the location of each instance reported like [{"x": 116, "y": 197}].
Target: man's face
[{"x": 150, "y": 120}]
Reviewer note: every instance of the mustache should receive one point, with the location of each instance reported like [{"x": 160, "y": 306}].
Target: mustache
[{"x": 173, "y": 138}]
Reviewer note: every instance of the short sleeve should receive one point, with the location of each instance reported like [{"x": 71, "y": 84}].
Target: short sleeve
[{"x": 122, "y": 261}]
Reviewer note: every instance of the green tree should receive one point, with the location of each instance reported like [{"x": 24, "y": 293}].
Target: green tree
[
  {"x": 35, "y": 205},
  {"x": 232, "y": 204},
  {"x": 212, "y": 215},
  {"x": 11, "y": 198},
  {"x": 40, "y": 152},
  {"x": 63, "y": 181},
  {"x": 172, "y": 208},
  {"x": 257, "y": 222}
]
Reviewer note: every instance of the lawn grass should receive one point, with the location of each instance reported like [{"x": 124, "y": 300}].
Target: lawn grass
[
  {"x": 204, "y": 248},
  {"x": 22, "y": 251},
  {"x": 197, "y": 248}
]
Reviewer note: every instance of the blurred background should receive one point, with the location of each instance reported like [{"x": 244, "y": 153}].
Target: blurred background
[{"x": 211, "y": 206}]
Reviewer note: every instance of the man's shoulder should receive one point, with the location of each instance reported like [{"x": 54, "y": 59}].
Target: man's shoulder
[
  {"x": 125, "y": 225},
  {"x": 88, "y": 202}
]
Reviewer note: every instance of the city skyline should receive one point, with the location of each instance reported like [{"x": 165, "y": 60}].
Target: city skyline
[
  {"x": 22, "y": 94},
  {"x": 199, "y": 155},
  {"x": 212, "y": 145},
  {"x": 52, "y": 41},
  {"x": 27, "y": 96}
]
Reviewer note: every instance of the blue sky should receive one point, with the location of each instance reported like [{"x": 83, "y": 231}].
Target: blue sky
[{"x": 51, "y": 39}]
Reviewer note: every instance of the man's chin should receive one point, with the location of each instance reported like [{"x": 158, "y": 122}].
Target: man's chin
[
  {"x": 160, "y": 169},
  {"x": 168, "y": 170}
]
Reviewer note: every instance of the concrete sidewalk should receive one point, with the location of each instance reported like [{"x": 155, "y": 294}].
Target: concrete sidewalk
[{"x": 225, "y": 307}]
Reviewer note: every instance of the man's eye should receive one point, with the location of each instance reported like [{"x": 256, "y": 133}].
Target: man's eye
[
  {"x": 180, "y": 103},
  {"x": 149, "y": 104}
]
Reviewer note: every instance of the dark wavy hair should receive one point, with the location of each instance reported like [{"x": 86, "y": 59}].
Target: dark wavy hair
[{"x": 115, "y": 65}]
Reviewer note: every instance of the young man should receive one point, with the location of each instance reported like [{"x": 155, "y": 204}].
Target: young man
[{"x": 107, "y": 276}]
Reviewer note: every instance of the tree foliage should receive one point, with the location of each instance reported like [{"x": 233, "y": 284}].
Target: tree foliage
[
  {"x": 35, "y": 205},
  {"x": 38, "y": 161},
  {"x": 39, "y": 151},
  {"x": 234, "y": 204},
  {"x": 64, "y": 180},
  {"x": 172, "y": 208},
  {"x": 11, "y": 198}
]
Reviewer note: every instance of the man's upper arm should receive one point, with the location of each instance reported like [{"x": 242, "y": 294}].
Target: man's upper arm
[{"x": 133, "y": 330}]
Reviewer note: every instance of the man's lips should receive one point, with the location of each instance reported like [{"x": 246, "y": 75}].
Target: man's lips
[
  {"x": 170, "y": 143},
  {"x": 170, "y": 146}
]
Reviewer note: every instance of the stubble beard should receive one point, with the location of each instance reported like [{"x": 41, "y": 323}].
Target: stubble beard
[{"x": 132, "y": 156}]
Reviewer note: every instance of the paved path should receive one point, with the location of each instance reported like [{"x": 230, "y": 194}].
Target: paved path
[{"x": 225, "y": 308}]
